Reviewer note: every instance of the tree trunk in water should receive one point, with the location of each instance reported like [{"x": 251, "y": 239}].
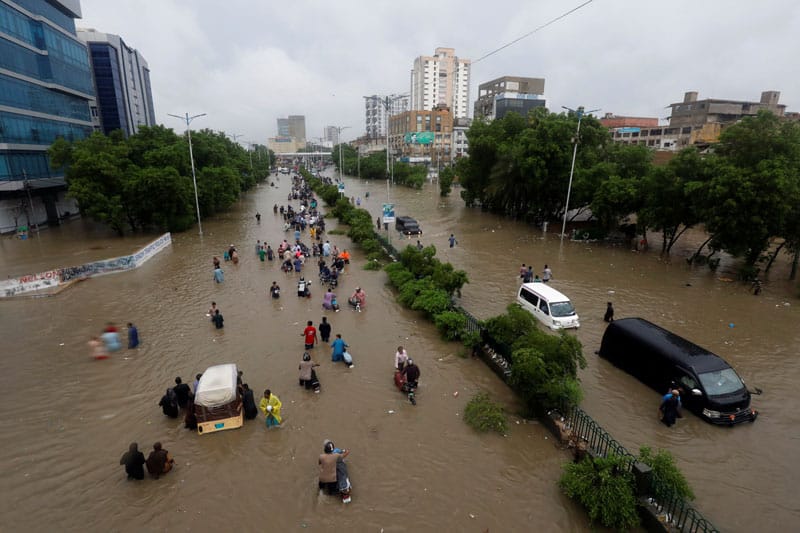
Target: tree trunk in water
[
  {"x": 793, "y": 273},
  {"x": 694, "y": 256},
  {"x": 675, "y": 237},
  {"x": 663, "y": 243},
  {"x": 772, "y": 259}
]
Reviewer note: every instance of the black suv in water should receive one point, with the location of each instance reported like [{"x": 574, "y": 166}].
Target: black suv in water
[
  {"x": 659, "y": 358},
  {"x": 407, "y": 226}
]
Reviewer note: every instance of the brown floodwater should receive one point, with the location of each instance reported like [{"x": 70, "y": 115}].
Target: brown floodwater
[
  {"x": 742, "y": 476},
  {"x": 68, "y": 419}
]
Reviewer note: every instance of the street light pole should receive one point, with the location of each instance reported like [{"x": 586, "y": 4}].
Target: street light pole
[
  {"x": 339, "y": 138},
  {"x": 186, "y": 118},
  {"x": 580, "y": 112}
]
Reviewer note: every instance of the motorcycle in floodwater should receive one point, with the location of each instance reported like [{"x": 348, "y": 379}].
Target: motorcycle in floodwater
[{"x": 408, "y": 388}]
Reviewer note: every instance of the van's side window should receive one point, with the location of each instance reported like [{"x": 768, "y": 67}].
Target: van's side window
[
  {"x": 688, "y": 383},
  {"x": 543, "y": 307},
  {"x": 530, "y": 297}
]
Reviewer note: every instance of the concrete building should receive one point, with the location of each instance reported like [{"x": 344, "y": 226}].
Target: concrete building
[
  {"x": 45, "y": 89},
  {"x": 331, "y": 134},
  {"x": 297, "y": 128},
  {"x": 284, "y": 145},
  {"x": 122, "y": 82},
  {"x": 441, "y": 80},
  {"x": 612, "y": 121},
  {"x": 696, "y": 113},
  {"x": 460, "y": 145},
  {"x": 509, "y": 93},
  {"x": 695, "y": 122},
  {"x": 283, "y": 127},
  {"x": 294, "y": 126},
  {"x": 420, "y": 136},
  {"x": 375, "y": 115}
]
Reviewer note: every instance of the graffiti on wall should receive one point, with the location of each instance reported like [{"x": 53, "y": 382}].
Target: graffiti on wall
[{"x": 52, "y": 278}]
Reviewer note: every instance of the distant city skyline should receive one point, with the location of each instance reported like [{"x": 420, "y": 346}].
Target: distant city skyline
[{"x": 626, "y": 57}]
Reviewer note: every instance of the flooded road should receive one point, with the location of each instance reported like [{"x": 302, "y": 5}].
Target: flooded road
[
  {"x": 743, "y": 476},
  {"x": 67, "y": 419}
]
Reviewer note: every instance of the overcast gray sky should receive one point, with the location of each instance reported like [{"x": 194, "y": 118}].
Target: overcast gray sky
[{"x": 247, "y": 62}]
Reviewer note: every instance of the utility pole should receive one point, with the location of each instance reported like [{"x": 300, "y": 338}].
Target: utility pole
[
  {"x": 580, "y": 112},
  {"x": 188, "y": 121}
]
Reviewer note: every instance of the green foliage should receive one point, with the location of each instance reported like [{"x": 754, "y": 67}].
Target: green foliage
[
  {"x": 373, "y": 167},
  {"x": 520, "y": 166},
  {"x": 446, "y": 177},
  {"x": 432, "y": 301},
  {"x": 423, "y": 264},
  {"x": 544, "y": 367},
  {"x": 336, "y": 231},
  {"x": 144, "y": 182},
  {"x": 482, "y": 414},
  {"x": 450, "y": 324},
  {"x": 605, "y": 487},
  {"x": 471, "y": 339},
  {"x": 372, "y": 264},
  {"x": 410, "y": 290},
  {"x": 666, "y": 472},
  {"x": 372, "y": 246},
  {"x": 507, "y": 328},
  {"x": 398, "y": 274}
]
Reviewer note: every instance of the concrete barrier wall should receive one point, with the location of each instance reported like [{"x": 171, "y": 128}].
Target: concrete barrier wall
[{"x": 51, "y": 279}]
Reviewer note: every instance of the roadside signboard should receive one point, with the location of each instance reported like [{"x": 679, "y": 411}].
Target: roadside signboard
[
  {"x": 388, "y": 213},
  {"x": 341, "y": 186}
]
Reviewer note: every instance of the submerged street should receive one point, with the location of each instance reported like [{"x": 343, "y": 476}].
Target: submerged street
[{"x": 74, "y": 417}]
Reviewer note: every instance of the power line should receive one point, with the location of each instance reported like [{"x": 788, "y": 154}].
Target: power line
[{"x": 546, "y": 24}]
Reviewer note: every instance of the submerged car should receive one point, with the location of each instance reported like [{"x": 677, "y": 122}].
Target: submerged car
[
  {"x": 663, "y": 360},
  {"x": 407, "y": 226}
]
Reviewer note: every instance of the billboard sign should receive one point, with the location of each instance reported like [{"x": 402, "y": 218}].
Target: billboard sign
[
  {"x": 341, "y": 186},
  {"x": 388, "y": 213},
  {"x": 419, "y": 137}
]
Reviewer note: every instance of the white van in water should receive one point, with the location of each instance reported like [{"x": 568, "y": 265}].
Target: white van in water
[{"x": 549, "y": 306}]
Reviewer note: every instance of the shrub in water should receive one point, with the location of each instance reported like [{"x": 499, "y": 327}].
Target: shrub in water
[
  {"x": 451, "y": 324},
  {"x": 604, "y": 486},
  {"x": 483, "y": 414},
  {"x": 666, "y": 472}
]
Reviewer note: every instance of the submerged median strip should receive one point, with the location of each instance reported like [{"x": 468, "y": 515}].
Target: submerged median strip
[
  {"x": 52, "y": 282},
  {"x": 623, "y": 490}
]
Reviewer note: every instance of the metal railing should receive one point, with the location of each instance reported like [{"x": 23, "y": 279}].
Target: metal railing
[
  {"x": 472, "y": 324},
  {"x": 670, "y": 507}
]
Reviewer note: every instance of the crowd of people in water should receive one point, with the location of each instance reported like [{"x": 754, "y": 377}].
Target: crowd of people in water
[{"x": 306, "y": 224}]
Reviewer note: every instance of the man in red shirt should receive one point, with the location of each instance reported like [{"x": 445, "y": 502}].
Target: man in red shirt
[{"x": 310, "y": 334}]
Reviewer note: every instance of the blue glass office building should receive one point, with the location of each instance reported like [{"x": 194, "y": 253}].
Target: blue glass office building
[
  {"x": 45, "y": 87},
  {"x": 122, "y": 82}
]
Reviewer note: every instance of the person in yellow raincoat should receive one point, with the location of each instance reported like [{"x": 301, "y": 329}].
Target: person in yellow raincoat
[{"x": 271, "y": 407}]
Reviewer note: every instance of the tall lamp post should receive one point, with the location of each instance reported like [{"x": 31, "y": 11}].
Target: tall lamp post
[
  {"x": 579, "y": 112},
  {"x": 186, "y": 118},
  {"x": 387, "y": 102},
  {"x": 339, "y": 130}
]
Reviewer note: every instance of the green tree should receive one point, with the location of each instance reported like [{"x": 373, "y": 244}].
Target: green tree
[
  {"x": 446, "y": 177},
  {"x": 96, "y": 176},
  {"x": 750, "y": 197},
  {"x": 666, "y": 472},
  {"x": 161, "y": 198},
  {"x": 604, "y": 486},
  {"x": 520, "y": 165},
  {"x": 673, "y": 196}
]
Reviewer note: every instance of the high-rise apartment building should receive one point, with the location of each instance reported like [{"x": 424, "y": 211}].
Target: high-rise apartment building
[
  {"x": 283, "y": 127},
  {"x": 331, "y": 135},
  {"x": 45, "y": 89},
  {"x": 293, "y": 126},
  {"x": 375, "y": 115},
  {"x": 441, "y": 79},
  {"x": 509, "y": 93},
  {"x": 297, "y": 128},
  {"x": 122, "y": 79}
]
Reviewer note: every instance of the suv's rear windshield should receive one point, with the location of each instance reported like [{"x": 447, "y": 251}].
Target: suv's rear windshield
[{"x": 721, "y": 382}]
